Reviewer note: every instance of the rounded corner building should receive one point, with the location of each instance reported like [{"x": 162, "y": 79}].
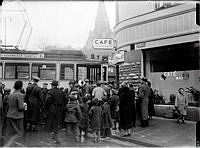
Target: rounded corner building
[{"x": 163, "y": 38}]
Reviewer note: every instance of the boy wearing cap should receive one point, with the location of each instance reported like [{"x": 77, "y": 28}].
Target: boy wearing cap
[
  {"x": 73, "y": 116},
  {"x": 95, "y": 119}
]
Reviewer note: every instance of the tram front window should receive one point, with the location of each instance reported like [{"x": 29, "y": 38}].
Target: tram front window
[
  {"x": 44, "y": 71},
  {"x": 67, "y": 72},
  {"x": 16, "y": 71}
]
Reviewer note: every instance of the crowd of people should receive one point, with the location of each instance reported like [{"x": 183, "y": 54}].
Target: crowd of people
[{"x": 80, "y": 109}]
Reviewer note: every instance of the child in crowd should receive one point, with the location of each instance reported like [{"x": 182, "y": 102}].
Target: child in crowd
[
  {"x": 106, "y": 118},
  {"x": 72, "y": 117},
  {"x": 84, "y": 123},
  {"x": 114, "y": 107},
  {"x": 95, "y": 119}
]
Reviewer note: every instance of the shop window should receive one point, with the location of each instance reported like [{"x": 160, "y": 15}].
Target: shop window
[
  {"x": 44, "y": 71},
  {"x": 98, "y": 57},
  {"x": 67, "y": 72},
  {"x": 16, "y": 71},
  {"x": 92, "y": 56},
  {"x": 132, "y": 47}
]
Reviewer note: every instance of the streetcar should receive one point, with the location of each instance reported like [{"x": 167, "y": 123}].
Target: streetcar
[{"x": 61, "y": 65}]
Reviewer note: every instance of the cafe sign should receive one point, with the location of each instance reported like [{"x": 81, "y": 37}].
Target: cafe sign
[
  {"x": 103, "y": 43},
  {"x": 177, "y": 75},
  {"x": 16, "y": 55}
]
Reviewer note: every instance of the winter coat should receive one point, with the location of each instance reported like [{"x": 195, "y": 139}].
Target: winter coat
[
  {"x": 143, "y": 95},
  {"x": 54, "y": 106},
  {"x": 95, "y": 117},
  {"x": 15, "y": 103},
  {"x": 114, "y": 106},
  {"x": 33, "y": 98},
  {"x": 151, "y": 110},
  {"x": 106, "y": 116},
  {"x": 125, "y": 109},
  {"x": 72, "y": 112},
  {"x": 84, "y": 123},
  {"x": 182, "y": 103}
]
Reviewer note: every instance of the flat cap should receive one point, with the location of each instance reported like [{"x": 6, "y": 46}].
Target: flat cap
[
  {"x": 36, "y": 78},
  {"x": 45, "y": 83},
  {"x": 144, "y": 79},
  {"x": 72, "y": 98},
  {"x": 86, "y": 80},
  {"x": 54, "y": 83},
  {"x": 95, "y": 100},
  {"x": 71, "y": 82}
]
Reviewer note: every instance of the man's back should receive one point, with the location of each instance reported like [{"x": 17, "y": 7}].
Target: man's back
[{"x": 99, "y": 92}]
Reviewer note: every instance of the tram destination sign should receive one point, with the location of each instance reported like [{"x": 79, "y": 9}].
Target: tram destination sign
[
  {"x": 18, "y": 55},
  {"x": 103, "y": 43}
]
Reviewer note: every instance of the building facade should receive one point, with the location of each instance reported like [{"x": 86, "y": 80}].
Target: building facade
[
  {"x": 165, "y": 38},
  {"x": 101, "y": 30}
]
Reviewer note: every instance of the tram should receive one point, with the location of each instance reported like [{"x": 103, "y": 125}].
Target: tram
[{"x": 62, "y": 65}]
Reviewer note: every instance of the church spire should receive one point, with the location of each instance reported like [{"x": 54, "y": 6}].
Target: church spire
[
  {"x": 102, "y": 21},
  {"x": 101, "y": 12}
]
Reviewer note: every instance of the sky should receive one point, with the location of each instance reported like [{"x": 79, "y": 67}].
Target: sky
[{"x": 50, "y": 23}]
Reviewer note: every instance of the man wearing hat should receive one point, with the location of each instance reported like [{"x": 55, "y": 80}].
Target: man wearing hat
[
  {"x": 44, "y": 93},
  {"x": 143, "y": 94},
  {"x": 33, "y": 98},
  {"x": 55, "y": 102},
  {"x": 87, "y": 89}
]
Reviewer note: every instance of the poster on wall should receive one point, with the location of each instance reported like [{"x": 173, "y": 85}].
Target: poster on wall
[{"x": 131, "y": 73}]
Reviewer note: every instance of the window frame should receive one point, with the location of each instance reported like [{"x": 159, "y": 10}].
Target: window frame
[
  {"x": 49, "y": 66},
  {"x": 16, "y": 72},
  {"x": 62, "y": 74}
]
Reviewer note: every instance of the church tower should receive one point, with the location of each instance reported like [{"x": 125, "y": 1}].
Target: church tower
[{"x": 101, "y": 31}]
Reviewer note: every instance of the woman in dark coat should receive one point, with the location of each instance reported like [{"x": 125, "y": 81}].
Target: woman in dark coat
[
  {"x": 151, "y": 109},
  {"x": 125, "y": 109},
  {"x": 15, "y": 115}
]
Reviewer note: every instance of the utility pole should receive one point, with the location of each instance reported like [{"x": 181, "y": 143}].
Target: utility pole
[{"x": 5, "y": 32}]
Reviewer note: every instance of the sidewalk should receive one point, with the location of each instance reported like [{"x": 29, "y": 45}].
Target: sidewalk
[{"x": 163, "y": 132}]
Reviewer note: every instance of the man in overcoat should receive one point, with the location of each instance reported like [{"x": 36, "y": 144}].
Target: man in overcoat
[
  {"x": 143, "y": 95},
  {"x": 33, "y": 98},
  {"x": 55, "y": 102}
]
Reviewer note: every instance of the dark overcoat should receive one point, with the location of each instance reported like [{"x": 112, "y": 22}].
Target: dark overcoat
[
  {"x": 125, "y": 109},
  {"x": 95, "y": 117},
  {"x": 33, "y": 98},
  {"x": 84, "y": 123},
  {"x": 143, "y": 95},
  {"x": 151, "y": 109},
  {"x": 54, "y": 106},
  {"x": 106, "y": 116},
  {"x": 114, "y": 107}
]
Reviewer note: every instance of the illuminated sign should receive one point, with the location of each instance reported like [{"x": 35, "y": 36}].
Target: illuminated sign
[
  {"x": 16, "y": 55},
  {"x": 103, "y": 43}
]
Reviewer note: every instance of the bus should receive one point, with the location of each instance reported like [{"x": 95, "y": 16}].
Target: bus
[{"x": 61, "y": 65}]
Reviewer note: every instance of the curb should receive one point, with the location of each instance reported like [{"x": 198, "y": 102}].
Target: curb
[{"x": 135, "y": 141}]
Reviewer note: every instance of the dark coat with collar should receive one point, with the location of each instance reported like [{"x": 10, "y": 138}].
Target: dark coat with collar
[
  {"x": 33, "y": 98},
  {"x": 54, "y": 106}
]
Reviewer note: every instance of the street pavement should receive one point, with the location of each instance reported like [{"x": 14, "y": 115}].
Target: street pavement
[
  {"x": 42, "y": 139},
  {"x": 161, "y": 132}
]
